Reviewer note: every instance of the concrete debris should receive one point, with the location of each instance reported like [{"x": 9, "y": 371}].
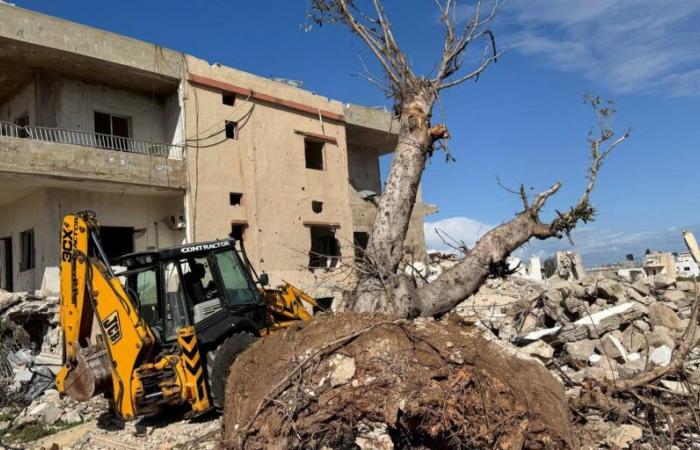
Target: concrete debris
[
  {"x": 661, "y": 356},
  {"x": 375, "y": 437},
  {"x": 30, "y": 345},
  {"x": 662, "y": 315},
  {"x": 595, "y": 331},
  {"x": 343, "y": 369},
  {"x": 624, "y": 436},
  {"x": 539, "y": 349}
]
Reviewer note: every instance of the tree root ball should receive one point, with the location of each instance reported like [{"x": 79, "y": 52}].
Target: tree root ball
[{"x": 367, "y": 381}]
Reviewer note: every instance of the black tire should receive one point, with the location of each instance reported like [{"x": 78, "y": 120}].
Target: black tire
[{"x": 219, "y": 361}]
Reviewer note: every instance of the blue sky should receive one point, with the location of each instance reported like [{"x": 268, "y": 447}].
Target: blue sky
[{"x": 523, "y": 121}]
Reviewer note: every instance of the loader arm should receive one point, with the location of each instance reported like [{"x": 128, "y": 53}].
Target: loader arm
[{"x": 90, "y": 290}]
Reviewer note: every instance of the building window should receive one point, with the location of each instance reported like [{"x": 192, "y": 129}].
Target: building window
[
  {"x": 313, "y": 151},
  {"x": 235, "y": 198},
  {"x": 316, "y": 206},
  {"x": 28, "y": 252},
  {"x": 238, "y": 231},
  {"x": 231, "y": 130},
  {"x": 228, "y": 98},
  {"x": 325, "y": 251},
  {"x": 113, "y": 131}
]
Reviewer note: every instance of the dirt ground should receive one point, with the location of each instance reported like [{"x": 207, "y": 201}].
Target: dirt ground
[{"x": 345, "y": 379}]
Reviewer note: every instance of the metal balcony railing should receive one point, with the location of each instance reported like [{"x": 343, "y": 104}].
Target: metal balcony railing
[{"x": 88, "y": 139}]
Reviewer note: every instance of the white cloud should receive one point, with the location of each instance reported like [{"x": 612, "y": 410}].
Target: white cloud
[
  {"x": 626, "y": 45},
  {"x": 459, "y": 229}
]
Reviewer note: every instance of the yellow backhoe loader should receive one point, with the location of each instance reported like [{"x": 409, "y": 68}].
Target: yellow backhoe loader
[{"x": 165, "y": 330}]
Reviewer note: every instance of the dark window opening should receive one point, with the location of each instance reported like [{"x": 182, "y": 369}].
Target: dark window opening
[
  {"x": 313, "y": 151},
  {"x": 231, "y": 130},
  {"x": 6, "y": 264},
  {"x": 234, "y": 198},
  {"x": 360, "y": 239},
  {"x": 238, "y": 231},
  {"x": 22, "y": 122},
  {"x": 317, "y": 206},
  {"x": 28, "y": 252},
  {"x": 228, "y": 99},
  {"x": 117, "y": 241},
  {"x": 113, "y": 131},
  {"x": 324, "y": 304},
  {"x": 325, "y": 250}
]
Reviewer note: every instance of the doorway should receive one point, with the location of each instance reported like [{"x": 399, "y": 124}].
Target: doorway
[
  {"x": 117, "y": 241},
  {"x": 6, "y": 264}
]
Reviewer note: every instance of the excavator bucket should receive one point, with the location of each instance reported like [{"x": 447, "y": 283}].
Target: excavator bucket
[{"x": 89, "y": 377}]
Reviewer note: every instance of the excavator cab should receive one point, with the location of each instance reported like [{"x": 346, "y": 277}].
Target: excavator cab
[
  {"x": 165, "y": 328},
  {"x": 207, "y": 285}
]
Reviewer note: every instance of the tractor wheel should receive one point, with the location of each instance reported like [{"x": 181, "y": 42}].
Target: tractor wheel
[{"x": 219, "y": 361}]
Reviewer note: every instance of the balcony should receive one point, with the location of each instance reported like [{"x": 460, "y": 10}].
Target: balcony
[
  {"x": 68, "y": 157},
  {"x": 88, "y": 139}
]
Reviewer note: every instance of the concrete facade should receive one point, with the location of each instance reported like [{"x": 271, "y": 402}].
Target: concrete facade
[
  {"x": 686, "y": 266},
  {"x": 225, "y": 150},
  {"x": 660, "y": 263}
]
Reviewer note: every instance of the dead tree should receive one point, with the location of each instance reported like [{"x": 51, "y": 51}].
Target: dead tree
[{"x": 383, "y": 288}]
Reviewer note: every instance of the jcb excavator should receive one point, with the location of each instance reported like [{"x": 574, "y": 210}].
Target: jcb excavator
[{"x": 168, "y": 327}]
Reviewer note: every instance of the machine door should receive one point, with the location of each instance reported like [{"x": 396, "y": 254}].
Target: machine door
[{"x": 144, "y": 284}]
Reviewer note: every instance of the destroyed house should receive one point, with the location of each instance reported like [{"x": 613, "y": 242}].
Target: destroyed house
[{"x": 167, "y": 148}]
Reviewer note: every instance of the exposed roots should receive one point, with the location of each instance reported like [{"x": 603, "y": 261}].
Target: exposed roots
[{"x": 349, "y": 378}]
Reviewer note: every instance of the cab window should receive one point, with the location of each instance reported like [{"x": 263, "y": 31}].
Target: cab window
[
  {"x": 239, "y": 291},
  {"x": 146, "y": 287},
  {"x": 198, "y": 280},
  {"x": 175, "y": 303}
]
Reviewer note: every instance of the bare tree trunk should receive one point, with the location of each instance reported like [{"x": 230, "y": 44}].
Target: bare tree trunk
[{"x": 385, "y": 290}]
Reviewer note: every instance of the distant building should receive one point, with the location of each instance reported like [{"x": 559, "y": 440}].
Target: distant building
[
  {"x": 628, "y": 270},
  {"x": 532, "y": 271},
  {"x": 659, "y": 263},
  {"x": 686, "y": 265}
]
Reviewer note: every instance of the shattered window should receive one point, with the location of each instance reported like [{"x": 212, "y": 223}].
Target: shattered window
[{"x": 325, "y": 250}]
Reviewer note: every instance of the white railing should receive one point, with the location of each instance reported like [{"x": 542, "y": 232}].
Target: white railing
[{"x": 88, "y": 139}]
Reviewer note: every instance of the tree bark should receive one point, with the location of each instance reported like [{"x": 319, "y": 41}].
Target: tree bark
[
  {"x": 386, "y": 290},
  {"x": 465, "y": 278}
]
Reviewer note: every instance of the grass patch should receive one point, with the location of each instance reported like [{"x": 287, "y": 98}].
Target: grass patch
[
  {"x": 33, "y": 431},
  {"x": 7, "y": 414}
]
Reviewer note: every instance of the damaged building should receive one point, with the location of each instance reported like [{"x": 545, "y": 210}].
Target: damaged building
[{"x": 167, "y": 148}]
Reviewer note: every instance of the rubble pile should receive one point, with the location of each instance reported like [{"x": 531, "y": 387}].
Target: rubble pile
[
  {"x": 595, "y": 334},
  {"x": 30, "y": 346}
]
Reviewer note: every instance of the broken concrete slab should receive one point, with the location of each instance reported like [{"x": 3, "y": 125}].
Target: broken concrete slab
[
  {"x": 673, "y": 296},
  {"x": 578, "y": 352},
  {"x": 661, "y": 315},
  {"x": 659, "y": 336},
  {"x": 539, "y": 349},
  {"x": 610, "y": 290},
  {"x": 661, "y": 356},
  {"x": 611, "y": 346},
  {"x": 624, "y": 435}
]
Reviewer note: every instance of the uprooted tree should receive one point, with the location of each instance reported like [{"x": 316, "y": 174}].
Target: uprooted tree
[
  {"x": 356, "y": 378},
  {"x": 382, "y": 287}
]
